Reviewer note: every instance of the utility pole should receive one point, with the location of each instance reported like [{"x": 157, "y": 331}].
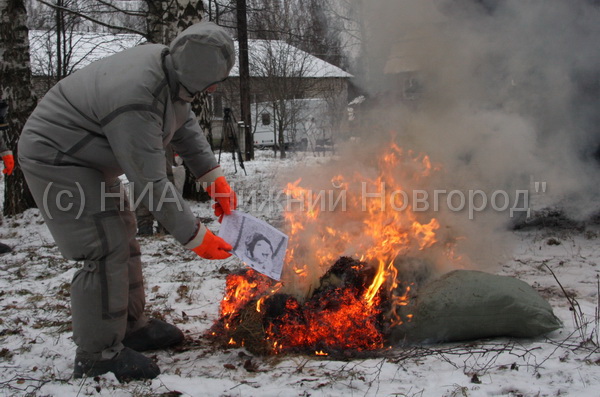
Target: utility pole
[
  {"x": 59, "y": 17},
  {"x": 242, "y": 28}
]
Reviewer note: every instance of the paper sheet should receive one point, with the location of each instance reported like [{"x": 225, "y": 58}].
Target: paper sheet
[{"x": 258, "y": 244}]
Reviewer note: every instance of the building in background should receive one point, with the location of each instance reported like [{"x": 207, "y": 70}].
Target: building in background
[{"x": 280, "y": 74}]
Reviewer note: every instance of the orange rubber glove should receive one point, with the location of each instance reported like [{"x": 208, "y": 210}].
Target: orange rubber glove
[
  {"x": 9, "y": 164},
  {"x": 213, "y": 247},
  {"x": 225, "y": 197}
]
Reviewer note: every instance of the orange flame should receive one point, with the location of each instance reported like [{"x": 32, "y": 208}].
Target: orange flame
[{"x": 368, "y": 215}]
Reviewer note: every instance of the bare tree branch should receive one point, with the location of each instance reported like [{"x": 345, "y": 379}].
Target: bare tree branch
[
  {"x": 94, "y": 20},
  {"x": 121, "y": 10}
]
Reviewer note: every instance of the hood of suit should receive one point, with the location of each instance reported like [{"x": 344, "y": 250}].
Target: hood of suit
[{"x": 202, "y": 55}]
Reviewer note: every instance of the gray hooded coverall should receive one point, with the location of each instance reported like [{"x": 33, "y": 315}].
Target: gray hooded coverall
[{"x": 112, "y": 117}]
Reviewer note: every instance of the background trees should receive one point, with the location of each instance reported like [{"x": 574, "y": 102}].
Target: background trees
[
  {"x": 286, "y": 70},
  {"x": 60, "y": 28},
  {"x": 15, "y": 88},
  {"x": 304, "y": 24}
]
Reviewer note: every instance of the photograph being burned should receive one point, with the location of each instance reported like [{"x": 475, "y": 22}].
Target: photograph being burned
[{"x": 258, "y": 244}]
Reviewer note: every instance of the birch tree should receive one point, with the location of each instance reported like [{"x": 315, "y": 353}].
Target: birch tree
[
  {"x": 16, "y": 89},
  {"x": 166, "y": 19}
]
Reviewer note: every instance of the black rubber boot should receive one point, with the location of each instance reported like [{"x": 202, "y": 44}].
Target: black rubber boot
[
  {"x": 4, "y": 249},
  {"x": 155, "y": 335},
  {"x": 145, "y": 230},
  {"x": 126, "y": 365}
]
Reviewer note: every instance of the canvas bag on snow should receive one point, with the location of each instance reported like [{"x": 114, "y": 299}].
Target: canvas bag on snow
[{"x": 467, "y": 305}]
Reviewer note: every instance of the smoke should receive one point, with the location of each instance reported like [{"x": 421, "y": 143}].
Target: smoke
[
  {"x": 508, "y": 95},
  {"x": 510, "y": 89},
  {"x": 503, "y": 96}
]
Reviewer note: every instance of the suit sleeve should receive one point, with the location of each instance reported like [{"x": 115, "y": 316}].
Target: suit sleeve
[
  {"x": 135, "y": 137},
  {"x": 190, "y": 143}
]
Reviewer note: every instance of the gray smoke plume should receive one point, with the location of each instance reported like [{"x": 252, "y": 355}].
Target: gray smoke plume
[
  {"x": 499, "y": 94},
  {"x": 510, "y": 90},
  {"x": 508, "y": 95}
]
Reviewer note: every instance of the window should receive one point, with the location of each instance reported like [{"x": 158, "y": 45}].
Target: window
[{"x": 266, "y": 118}]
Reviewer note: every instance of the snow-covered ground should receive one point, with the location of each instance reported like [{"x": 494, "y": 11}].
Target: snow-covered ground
[{"x": 36, "y": 350}]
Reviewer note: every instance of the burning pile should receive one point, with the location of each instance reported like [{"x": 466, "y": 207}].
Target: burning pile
[
  {"x": 340, "y": 290},
  {"x": 337, "y": 318}
]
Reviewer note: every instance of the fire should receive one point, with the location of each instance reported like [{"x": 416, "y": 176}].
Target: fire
[
  {"x": 347, "y": 324},
  {"x": 367, "y": 216},
  {"x": 240, "y": 290},
  {"x": 379, "y": 231},
  {"x": 374, "y": 288}
]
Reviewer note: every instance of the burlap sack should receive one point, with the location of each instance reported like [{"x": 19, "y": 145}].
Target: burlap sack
[{"x": 467, "y": 305}]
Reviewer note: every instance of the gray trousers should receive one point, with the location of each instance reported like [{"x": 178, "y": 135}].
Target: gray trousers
[{"x": 90, "y": 225}]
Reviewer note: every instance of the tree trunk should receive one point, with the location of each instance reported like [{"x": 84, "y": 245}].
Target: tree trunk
[
  {"x": 155, "y": 21},
  {"x": 16, "y": 89},
  {"x": 281, "y": 143},
  {"x": 244, "y": 68},
  {"x": 165, "y": 21},
  {"x": 59, "y": 42}
]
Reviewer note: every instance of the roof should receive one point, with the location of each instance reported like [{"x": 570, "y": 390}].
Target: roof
[
  {"x": 286, "y": 60},
  {"x": 91, "y": 46},
  {"x": 86, "y": 47}
]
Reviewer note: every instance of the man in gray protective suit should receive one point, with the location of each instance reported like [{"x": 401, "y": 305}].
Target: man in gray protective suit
[{"x": 112, "y": 117}]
